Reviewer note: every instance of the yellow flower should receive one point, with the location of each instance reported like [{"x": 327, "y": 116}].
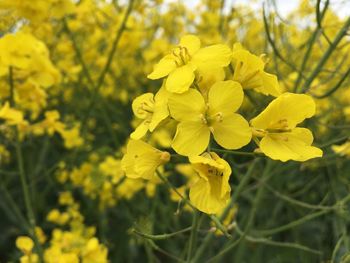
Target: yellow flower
[
  {"x": 153, "y": 109},
  {"x": 141, "y": 160},
  {"x": 72, "y": 137},
  {"x": 185, "y": 59},
  {"x": 211, "y": 193},
  {"x": 12, "y": 116},
  {"x": 94, "y": 252},
  {"x": 26, "y": 54},
  {"x": 249, "y": 71},
  {"x": 25, "y": 244},
  {"x": 282, "y": 140},
  {"x": 40, "y": 234},
  {"x": 199, "y": 118},
  {"x": 343, "y": 149},
  {"x": 38, "y": 10},
  {"x": 50, "y": 124}
]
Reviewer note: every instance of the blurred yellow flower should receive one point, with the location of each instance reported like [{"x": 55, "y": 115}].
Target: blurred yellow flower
[
  {"x": 25, "y": 244},
  {"x": 11, "y": 116},
  {"x": 343, "y": 149},
  {"x": 29, "y": 57}
]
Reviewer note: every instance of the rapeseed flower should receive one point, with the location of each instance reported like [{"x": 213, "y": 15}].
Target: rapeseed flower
[
  {"x": 141, "y": 160},
  {"x": 281, "y": 139},
  {"x": 152, "y": 109},
  {"x": 211, "y": 193},
  {"x": 249, "y": 71},
  {"x": 189, "y": 58},
  {"x": 10, "y": 115},
  {"x": 199, "y": 118}
]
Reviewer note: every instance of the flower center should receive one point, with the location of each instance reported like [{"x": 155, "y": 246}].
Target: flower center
[
  {"x": 211, "y": 119},
  {"x": 214, "y": 172},
  {"x": 146, "y": 107},
  {"x": 182, "y": 56},
  {"x": 279, "y": 127}
]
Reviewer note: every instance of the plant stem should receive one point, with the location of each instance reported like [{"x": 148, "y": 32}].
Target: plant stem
[
  {"x": 290, "y": 225},
  {"x": 325, "y": 57},
  {"x": 22, "y": 175},
  {"x": 193, "y": 237},
  {"x": 162, "y": 236}
]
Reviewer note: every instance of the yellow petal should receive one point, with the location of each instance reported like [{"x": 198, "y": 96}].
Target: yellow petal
[
  {"x": 225, "y": 97},
  {"x": 191, "y": 43},
  {"x": 180, "y": 79},
  {"x": 140, "y": 131},
  {"x": 212, "y": 194},
  {"x": 269, "y": 85},
  {"x": 233, "y": 132},
  {"x": 343, "y": 149},
  {"x": 11, "y": 116},
  {"x": 191, "y": 138},
  {"x": 214, "y": 56},
  {"x": 208, "y": 78},
  {"x": 288, "y": 109},
  {"x": 294, "y": 145},
  {"x": 163, "y": 68},
  {"x": 187, "y": 106},
  {"x": 141, "y": 160},
  {"x": 160, "y": 110},
  {"x": 142, "y": 104}
]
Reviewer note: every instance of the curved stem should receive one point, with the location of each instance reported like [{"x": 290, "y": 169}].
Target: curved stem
[{"x": 162, "y": 236}]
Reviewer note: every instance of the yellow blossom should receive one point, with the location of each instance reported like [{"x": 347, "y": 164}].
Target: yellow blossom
[
  {"x": 29, "y": 57},
  {"x": 281, "y": 139},
  {"x": 198, "y": 118},
  {"x": 11, "y": 116},
  {"x": 343, "y": 149},
  {"x": 187, "y": 58},
  {"x": 141, "y": 160},
  {"x": 211, "y": 193},
  {"x": 72, "y": 137},
  {"x": 152, "y": 109},
  {"x": 25, "y": 244},
  {"x": 249, "y": 71}
]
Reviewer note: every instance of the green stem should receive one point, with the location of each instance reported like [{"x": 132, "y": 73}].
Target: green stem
[
  {"x": 252, "y": 213},
  {"x": 193, "y": 237},
  {"x": 273, "y": 45},
  {"x": 162, "y": 236},
  {"x": 297, "y": 202},
  {"x": 22, "y": 175},
  {"x": 105, "y": 69},
  {"x": 157, "y": 248},
  {"x": 275, "y": 243},
  {"x": 290, "y": 225},
  {"x": 325, "y": 57},
  {"x": 336, "y": 248},
  {"x": 335, "y": 88},
  {"x": 234, "y": 152}
]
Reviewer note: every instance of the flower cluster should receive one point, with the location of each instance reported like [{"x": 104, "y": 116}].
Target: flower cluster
[{"x": 202, "y": 95}]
